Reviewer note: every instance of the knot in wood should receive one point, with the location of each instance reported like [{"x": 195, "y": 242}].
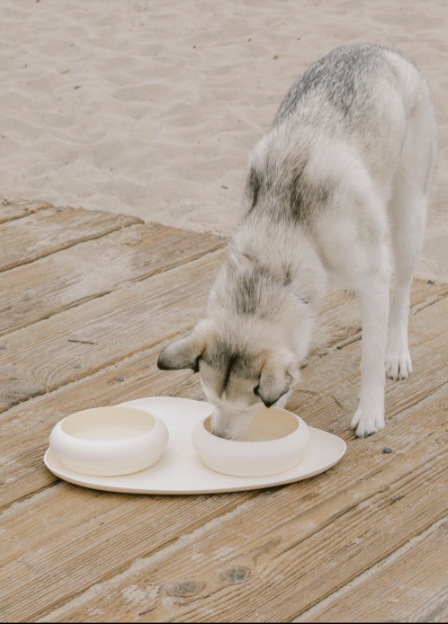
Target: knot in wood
[
  {"x": 236, "y": 576},
  {"x": 185, "y": 589}
]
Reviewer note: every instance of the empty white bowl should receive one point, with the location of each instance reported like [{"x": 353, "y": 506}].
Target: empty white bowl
[
  {"x": 109, "y": 441},
  {"x": 275, "y": 442}
]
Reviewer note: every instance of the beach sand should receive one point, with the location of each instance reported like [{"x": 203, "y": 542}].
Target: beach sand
[{"x": 151, "y": 108}]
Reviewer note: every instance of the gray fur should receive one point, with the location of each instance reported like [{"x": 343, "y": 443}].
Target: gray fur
[{"x": 353, "y": 137}]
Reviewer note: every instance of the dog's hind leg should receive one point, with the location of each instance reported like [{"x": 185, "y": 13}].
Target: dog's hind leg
[{"x": 408, "y": 217}]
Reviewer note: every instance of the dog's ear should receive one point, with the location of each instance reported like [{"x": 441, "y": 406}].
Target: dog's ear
[
  {"x": 279, "y": 372},
  {"x": 185, "y": 353}
]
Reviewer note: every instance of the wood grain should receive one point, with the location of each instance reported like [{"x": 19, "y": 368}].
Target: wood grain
[
  {"x": 412, "y": 588},
  {"x": 93, "y": 269},
  {"x": 364, "y": 462},
  {"x": 292, "y": 548},
  {"x": 17, "y": 209},
  {"x": 47, "y": 231},
  {"x": 114, "y": 292},
  {"x": 327, "y": 397},
  {"x": 95, "y": 533},
  {"x": 25, "y": 429},
  {"x": 101, "y": 332},
  {"x": 107, "y": 329}
]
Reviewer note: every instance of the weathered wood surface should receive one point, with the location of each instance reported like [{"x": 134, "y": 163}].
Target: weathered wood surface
[
  {"x": 134, "y": 318},
  {"x": 103, "y": 331},
  {"x": 10, "y": 210},
  {"x": 411, "y": 588},
  {"x": 93, "y": 269},
  {"x": 70, "y": 554},
  {"x": 325, "y": 416},
  {"x": 47, "y": 231},
  {"x": 284, "y": 551},
  {"x": 327, "y": 396}
]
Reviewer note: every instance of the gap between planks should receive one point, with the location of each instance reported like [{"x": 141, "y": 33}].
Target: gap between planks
[
  {"x": 328, "y": 609},
  {"x": 51, "y": 285},
  {"x": 361, "y": 448},
  {"x": 268, "y": 544},
  {"x": 168, "y": 303},
  {"x": 140, "y": 374},
  {"x": 45, "y": 232},
  {"x": 127, "y": 321}
]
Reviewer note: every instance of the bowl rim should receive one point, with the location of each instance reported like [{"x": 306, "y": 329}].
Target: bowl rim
[
  {"x": 299, "y": 429},
  {"x": 76, "y": 441}
]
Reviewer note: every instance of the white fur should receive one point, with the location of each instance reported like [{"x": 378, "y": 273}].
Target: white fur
[{"x": 378, "y": 172}]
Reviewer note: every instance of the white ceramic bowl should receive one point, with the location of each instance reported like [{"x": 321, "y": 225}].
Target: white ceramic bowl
[
  {"x": 276, "y": 441},
  {"x": 109, "y": 441}
]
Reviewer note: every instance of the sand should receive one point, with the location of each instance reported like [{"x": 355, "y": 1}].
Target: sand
[{"x": 151, "y": 108}]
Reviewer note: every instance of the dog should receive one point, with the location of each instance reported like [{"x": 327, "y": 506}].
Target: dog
[{"x": 346, "y": 166}]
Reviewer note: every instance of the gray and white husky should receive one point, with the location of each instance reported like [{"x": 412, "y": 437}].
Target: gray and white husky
[{"x": 349, "y": 158}]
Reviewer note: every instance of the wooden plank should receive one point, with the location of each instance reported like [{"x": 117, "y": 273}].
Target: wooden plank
[
  {"x": 16, "y": 209},
  {"x": 412, "y": 588},
  {"x": 25, "y": 429},
  {"x": 338, "y": 319},
  {"x": 330, "y": 389},
  {"x": 43, "y": 356},
  {"x": 92, "y": 269},
  {"x": 276, "y": 523},
  {"x": 305, "y": 536},
  {"x": 89, "y": 523},
  {"x": 51, "y": 507},
  {"x": 289, "y": 549},
  {"x": 46, "y": 231}
]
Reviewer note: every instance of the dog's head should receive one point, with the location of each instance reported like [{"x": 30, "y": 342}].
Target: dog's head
[{"x": 238, "y": 376}]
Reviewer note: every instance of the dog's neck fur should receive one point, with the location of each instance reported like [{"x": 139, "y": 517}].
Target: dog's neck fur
[
  {"x": 271, "y": 277},
  {"x": 284, "y": 250}
]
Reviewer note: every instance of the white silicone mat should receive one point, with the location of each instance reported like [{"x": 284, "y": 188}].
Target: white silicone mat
[{"x": 180, "y": 471}]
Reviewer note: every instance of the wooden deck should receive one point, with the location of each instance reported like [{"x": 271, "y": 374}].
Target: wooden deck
[{"x": 87, "y": 300}]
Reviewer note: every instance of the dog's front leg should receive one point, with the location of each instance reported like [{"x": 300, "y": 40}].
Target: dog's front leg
[{"x": 374, "y": 300}]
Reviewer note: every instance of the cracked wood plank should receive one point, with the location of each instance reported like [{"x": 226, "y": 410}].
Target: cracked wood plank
[
  {"x": 47, "y": 231},
  {"x": 82, "y": 272}
]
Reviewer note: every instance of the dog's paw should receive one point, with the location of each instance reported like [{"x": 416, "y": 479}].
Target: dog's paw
[
  {"x": 367, "y": 422},
  {"x": 398, "y": 364}
]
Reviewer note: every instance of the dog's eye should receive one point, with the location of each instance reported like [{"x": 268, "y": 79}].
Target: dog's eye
[{"x": 256, "y": 389}]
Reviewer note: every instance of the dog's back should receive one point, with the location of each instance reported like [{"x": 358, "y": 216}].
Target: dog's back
[
  {"x": 353, "y": 105},
  {"x": 348, "y": 158}
]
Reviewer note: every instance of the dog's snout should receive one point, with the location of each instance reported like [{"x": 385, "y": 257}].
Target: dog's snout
[
  {"x": 221, "y": 426},
  {"x": 218, "y": 433}
]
